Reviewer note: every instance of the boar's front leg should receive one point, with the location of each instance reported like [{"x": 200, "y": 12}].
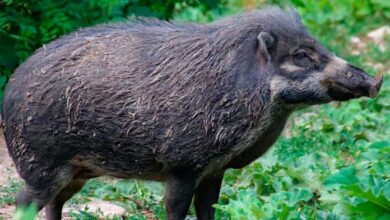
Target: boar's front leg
[
  {"x": 179, "y": 192},
  {"x": 206, "y": 195}
]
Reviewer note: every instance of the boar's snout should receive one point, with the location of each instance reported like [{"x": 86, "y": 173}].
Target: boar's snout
[
  {"x": 362, "y": 83},
  {"x": 351, "y": 82},
  {"x": 375, "y": 85}
]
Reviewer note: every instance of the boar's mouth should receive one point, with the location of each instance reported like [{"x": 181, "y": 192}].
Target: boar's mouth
[{"x": 340, "y": 92}]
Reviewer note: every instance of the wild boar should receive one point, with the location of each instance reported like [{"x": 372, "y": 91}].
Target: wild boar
[{"x": 156, "y": 100}]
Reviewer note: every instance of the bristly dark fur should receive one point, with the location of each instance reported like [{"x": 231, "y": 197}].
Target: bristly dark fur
[
  {"x": 180, "y": 83},
  {"x": 146, "y": 99}
]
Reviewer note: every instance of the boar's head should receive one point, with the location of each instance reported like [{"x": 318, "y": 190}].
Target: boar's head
[{"x": 303, "y": 71}]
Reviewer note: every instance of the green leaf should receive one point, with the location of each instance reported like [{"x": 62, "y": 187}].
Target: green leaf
[
  {"x": 379, "y": 200},
  {"x": 380, "y": 144},
  {"x": 345, "y": 176},
  {"x": 298, "y": 195},
  {"x": 26, "y": 214}
]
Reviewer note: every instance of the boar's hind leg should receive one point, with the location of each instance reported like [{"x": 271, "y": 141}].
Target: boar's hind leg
[
  {"x": 206, "y": 195},
  {"x": 29, "y": 196},
  {"x": 178, "y": 196},
  {"x": 50, "y": 191},
  {"x": 54, "y": 207}
]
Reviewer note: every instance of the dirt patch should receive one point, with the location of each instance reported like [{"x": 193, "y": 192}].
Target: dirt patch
[
  {"x": 103, "y": 209},
  {"x": 7, "y": 168},
  {"x": 378, "y": 37},
  {"x": 7, "y": 172}
]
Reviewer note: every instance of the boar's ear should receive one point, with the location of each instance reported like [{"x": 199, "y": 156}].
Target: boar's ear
[{"x": 266, "y": 41}]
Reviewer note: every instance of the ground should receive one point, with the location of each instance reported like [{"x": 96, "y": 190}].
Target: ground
[{"x": 7, "y": 171}]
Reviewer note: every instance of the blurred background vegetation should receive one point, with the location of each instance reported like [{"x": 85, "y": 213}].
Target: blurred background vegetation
[{"x": 333, "y": 161}]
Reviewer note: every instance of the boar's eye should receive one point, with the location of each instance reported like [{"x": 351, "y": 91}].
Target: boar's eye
[{"x": 300, "y": 58}]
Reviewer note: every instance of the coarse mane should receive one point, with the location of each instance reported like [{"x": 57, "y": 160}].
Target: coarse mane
[{"x": 271, "y": 18}]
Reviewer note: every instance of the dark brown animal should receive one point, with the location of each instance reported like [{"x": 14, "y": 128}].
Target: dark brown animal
[{"x": 155, "y": 100}]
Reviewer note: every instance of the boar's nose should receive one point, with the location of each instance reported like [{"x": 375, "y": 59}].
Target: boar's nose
[
  {"x": 366, "y": 85},
  {"x": 376, "y": 86}
]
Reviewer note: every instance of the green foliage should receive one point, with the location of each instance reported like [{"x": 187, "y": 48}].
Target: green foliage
[
  {"x": 26, "y": 214},
  {"x": 281, "y": 205},
  {"x": 8, "y": 191},
  {"x": 333, "y": 21},
  {"x": 364, "y": 188},
  {"x": 136, "y": 197}
]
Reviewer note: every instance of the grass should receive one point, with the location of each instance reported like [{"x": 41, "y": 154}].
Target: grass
[{"x": 8, "y": 191}]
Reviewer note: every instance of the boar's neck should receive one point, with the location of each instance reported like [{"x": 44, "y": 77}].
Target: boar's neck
[{"x": 271, "y": 128}]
